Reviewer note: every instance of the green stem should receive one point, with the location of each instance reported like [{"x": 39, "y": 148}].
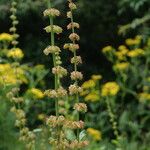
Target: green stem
[
  {"x": 54, "y": 58},
  {"x": 76, "y": 82}
]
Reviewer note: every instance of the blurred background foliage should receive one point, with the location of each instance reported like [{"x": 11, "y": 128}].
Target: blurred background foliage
[{"x": 100, "y": 21}]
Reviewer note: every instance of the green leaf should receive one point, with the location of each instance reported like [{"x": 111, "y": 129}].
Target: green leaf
[{"x": 82, "y": 135}]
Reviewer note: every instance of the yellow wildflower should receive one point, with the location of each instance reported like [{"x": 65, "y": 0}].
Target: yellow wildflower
[
  {"x": 95, "y": 134},
  {"x": 11, "y": 75},
  {"x": 6, "y": 37},
  {"x": 121, "y": 47},
  {"x": 124, "y": 51},
  {"x": 36, "y": 93},
  {"x": 96, "y": 77},
  {"x": 144, "y": 96},
  {"x": 131, "y": 42},
  {"x": 88, "y": 84},
  {"x": 107, "y": 49},
  {"x": 15, "y": 53},
  {"x": 110, "y": 89},
  {"x": 120, "y": 55},
  {"x": 121, "y": 66},
  {"x": 136, "y": 52},
  {"x": 93, "y": 96}
]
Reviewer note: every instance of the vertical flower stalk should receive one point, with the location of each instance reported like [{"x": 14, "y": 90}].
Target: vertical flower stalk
[
  {"x": 58, "y": 93},
  {"x": 15, "y": 22},
  {"x": 112, "y": 118},
  {"x": 75, "y": 89},
  {"x": 26, "y": 136},
  {"x": 57, "y": 70}
]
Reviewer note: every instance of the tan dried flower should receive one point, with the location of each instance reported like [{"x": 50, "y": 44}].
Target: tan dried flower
[
  {"x": 73, "y": 25},
  {"x": 74, "y": 37},
  {"x": 72, "y": 47},
  {"x": 72, "y": 6},
  {"x": 51, "y": 12},
  {"x": 76, "y": 75},
  {"x": 74, "y": 89},
  {"x": 54, "y": 28},
  {"x": 69, "y": 14},
  {"x": 76, "y": 60},
  {"x": 59, "y": 71},
  {"x": 51, "y": 49},
  {"x": 81, "y": 107}
]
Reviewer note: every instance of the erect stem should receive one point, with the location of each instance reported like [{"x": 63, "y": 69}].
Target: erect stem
[
  {"x": 54, "y": 57},
  {"x": 75, "y": 69}
]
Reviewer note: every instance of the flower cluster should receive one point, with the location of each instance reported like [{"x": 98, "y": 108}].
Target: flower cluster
[
  {"x": 75, "y": 89},
  {"x": 95, "y": 134},
  {"x": 110, "y": 89},
  {"x": 91, "y": 92},
  {"x": 26, "y": 136},
  {"x": 6, "y": 37},
  {"x": 54, "y": 121},
  {"x": 15, "y": 53},
  {"x": 14, "y": 23},
  {"x": 136, "y": 52},
  {"x": 58, "y": 93},
  {"x": 8, "y": 74},
  {"x": 133, "y": 42},
  {"x": 121, "y": 66},
  {"x": 35, "y": 93}
]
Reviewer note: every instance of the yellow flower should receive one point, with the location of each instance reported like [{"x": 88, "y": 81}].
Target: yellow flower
[
  {"x": 95, "y": 134},
  {"x": 6, "y": 37},
  {"x": 120, "y": 55},
  {"x": 36, "y": 93},
  {"x": 122, "y": 47},
  {"x": 121, "y": 66},
  {"x": 15, "y": 53},
  {"x": 135, "y": 41},
  {"x": 93, "y": 96},
  {"x": 88, "y": 84},
  {"x": 136, "y": 52},
  {"x": 110, "y": 89},
  {"x": 107, "y": 49},
  {"x": 96, "y": 77},
  {"x": 144, "y": 96},
  {"x": 11, "y": 75}
]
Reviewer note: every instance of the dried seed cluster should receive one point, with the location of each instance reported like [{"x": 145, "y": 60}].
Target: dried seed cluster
[
  {"x": 75, "y": 89},
  {"x": 26, "y": 136},
  {"x": 15, "y": 22}
]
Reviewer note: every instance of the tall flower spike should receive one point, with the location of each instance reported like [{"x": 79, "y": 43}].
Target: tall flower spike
[
  {"x": 74, "y": 89},
  {"x": 25, "y": 136},
  {"x": 57, "y": 70},
  {"x": 15, "y": 22},
  {"x": 57, "y": 139}
]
